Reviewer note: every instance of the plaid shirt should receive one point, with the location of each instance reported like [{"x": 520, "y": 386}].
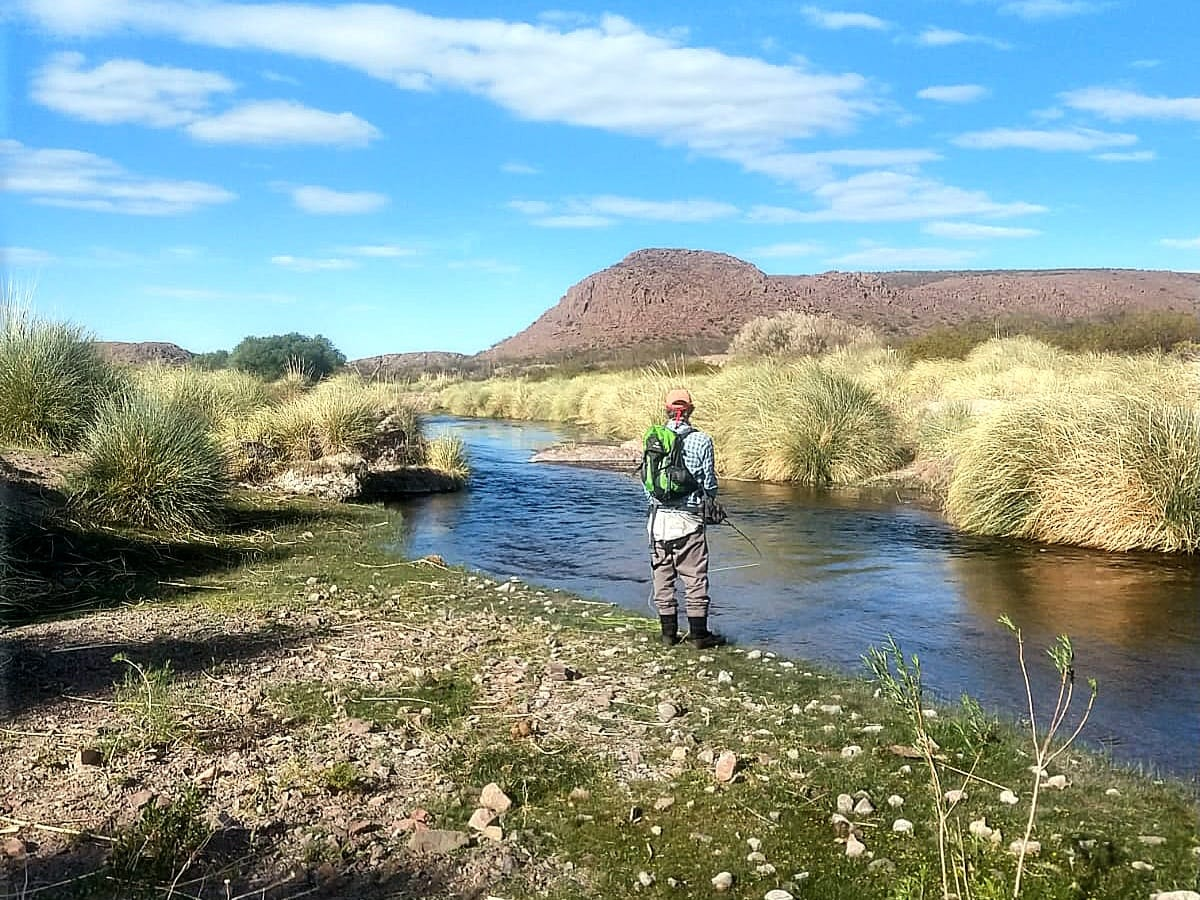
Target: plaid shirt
[{"x": 700, "y": 460}]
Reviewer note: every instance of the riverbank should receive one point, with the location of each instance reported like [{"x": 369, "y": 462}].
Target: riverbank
[{"x": 288, "y": 707}]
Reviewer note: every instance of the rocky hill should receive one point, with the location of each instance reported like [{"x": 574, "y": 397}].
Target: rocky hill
[
  {"x": 404, "y": 364},
  {"x": 681, "y": 296},
  {"x": 140, "y": 352}
]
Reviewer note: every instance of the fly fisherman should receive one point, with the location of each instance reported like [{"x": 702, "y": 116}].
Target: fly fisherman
[{"x": 678, "y": 544}]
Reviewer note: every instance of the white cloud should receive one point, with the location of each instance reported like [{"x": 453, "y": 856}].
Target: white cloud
[
  {"x": 837, "y": 21},
  {"x": 1118, "y": 105},
  {"x": 1082, "y": 140},
  {"x": 323, "y": 201},
  {"x": 519, "y": 168},
  {"x": 80, "y": 180},
  {"x": 948, "y": 37},
  {"x": 655, "y": 210},
  {"x": 810, "y": 170},
  {"x": 774, "y": 215},
  {"x": 970, "y": 231},
  {"x": 1146, "y": 63},
  {"x": 280, "y": 78},
  {"x": 953, "y": 93},
  {"x": 573, "y": 221},
  {"x": 1132, "y": 156},
  {"x": 895, "y": 197},
  {"x": 126, "y": 91},
  {"x": 882, "y": 258},
  {"x": 612, "y": 75},
  {"x": 1182, "y": 243},
  {"x": 307, "y": 264},
  {"x": 531, "y": 207},
  {"x": 786, "y": 250},
  {"x": 14, "y": 257},
  {"x": 283, "y": 122},
  {"x": 382, "y": 251},
  {"x": 1037, "y": 10}
]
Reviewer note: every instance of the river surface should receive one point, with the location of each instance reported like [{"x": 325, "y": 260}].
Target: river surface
[{"x": 841, "y": 571}]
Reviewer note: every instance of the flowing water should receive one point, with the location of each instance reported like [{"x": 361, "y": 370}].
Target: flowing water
[{"x": 841, "y": 571}]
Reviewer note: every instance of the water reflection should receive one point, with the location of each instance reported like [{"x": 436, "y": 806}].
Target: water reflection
[{"x": 839, "y": 572}]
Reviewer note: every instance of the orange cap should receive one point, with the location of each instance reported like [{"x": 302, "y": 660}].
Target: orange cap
[{"x": 679, "y": 398}]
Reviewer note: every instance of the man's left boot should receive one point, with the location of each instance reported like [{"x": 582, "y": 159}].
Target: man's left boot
[
  {"x": 670, "y": 630},
  {"x": 700, "y": 637}
]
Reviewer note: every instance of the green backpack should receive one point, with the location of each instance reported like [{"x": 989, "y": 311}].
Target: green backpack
[{"x": 664, "y": 475}]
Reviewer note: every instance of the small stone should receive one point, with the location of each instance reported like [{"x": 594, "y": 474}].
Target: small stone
[
  {"x": 481, "y": 819},
  {"x": 895, "y": 801},
  {"x": 724, "y": 677},
  {"x": 756, "y": 857},
  {"x": 436, "y": 842},
  {"x": 667, "y": 712},
  {"x": 841, "y": 825},
  {"x": 793, "y": 754},
  {"x": 705, "y": 757},
  {"x": 662, "y": 804},
  {"x": 980, "y": 828},
  {"x": 726, "y": 766},
  {"x": 956, "y": 796},
  {"x": 1152, "y": 840},
  {"x": 754, "y": 843},
  {"x": 902, "y": 826},
  {"x": 358, "y": 726},
  {"x": 1140, "y": 865},
  {"x": 722, "y": 882},
  {"x": 864, "y": 807},
  {"x": 14, "y": 848},
  {"x": 1032, "y": 848},
  {"x": 1056, "y": 782},
  {"x": 579, "y": 794},
  {"x": 1007, "y": 796},
  {"x": 656, "y": 830},
  {"x": 557, "y": 670},
  {"x": 854, "y": 847},
  {"x": 764, "y": 869},
  {"x": 645, "y": 879},
  {"x": 852, "y": 751},
  {"x": 754, "y": 654},
  {"x": 1175, "y": 895},
  {"x": 778, "y": 894},
  {"x": 1112, "y": 792},
  {"x": 494, "y": 798},
  {"x": 845, "y": 804},
  {"x": 141, "y": 798},
  {"x": 679, "y": 754},
  {"x": 883, "y": 864},
  {"x": 493, "y": 833},
  {"x": 830, "y": 709}
]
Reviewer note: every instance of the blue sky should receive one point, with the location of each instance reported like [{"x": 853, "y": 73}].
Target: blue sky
[{"x": 436, "y": 176}]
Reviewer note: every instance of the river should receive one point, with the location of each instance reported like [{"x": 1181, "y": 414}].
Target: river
[{"x": 841, "y": 571}]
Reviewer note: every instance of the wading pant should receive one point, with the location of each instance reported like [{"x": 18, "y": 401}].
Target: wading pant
[{"x": 687, "y": 558}]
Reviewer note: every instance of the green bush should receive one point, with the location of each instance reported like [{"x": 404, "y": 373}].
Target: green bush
[
  {"x": 274, "y": 356},
  {"x": 151, "y": 465},
  {"x": 210, "y": 362},
  {"x": 52, "y": 379}
]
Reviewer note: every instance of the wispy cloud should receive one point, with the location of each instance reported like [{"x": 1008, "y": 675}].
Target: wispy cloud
[
  {"x": 948, "y": 37},
  {"x": 774, "y": 215},
  {"x": 1134, "y": 156},
  {"x": 610, "y": 75},
  {"x": 601, "y": 210},
  {"x": 126, "y": 91},
  {"x": 80, "y": 180},
  {"x": 323, "y": 201},
  {"x": 1117, "y": 104},
  {"x": 970, "y": 231},
  {"x": 1146, "y": 63},
  {"x": 519, "y": 168},
  {"x": 23, "y": 257},
  {"x": 573, "y": 221},
  {"x": 309, "y": 264},
  {"x": 839, "y": 21},
  {"x": 897, "y": 197},
  {"x": 280, "y": 78},
  {"x": 953, "y": 93},
  {"x": 1081, "y": 140},
  {"x": 1182, "y": 243},
  {"x": 531, "y": 207},
  {"x": 1038, "y": 10},
  {"x": 883, "y": 258},
  {"x": 786, "y": 250},
  {"x": 283, "y": 122},
  {"x": 382, "y": 251}
]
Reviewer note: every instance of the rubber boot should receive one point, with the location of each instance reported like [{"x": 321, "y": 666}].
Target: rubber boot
[
  {"x": 700, "y": 637},
  {"x": 670, "y": 630}
]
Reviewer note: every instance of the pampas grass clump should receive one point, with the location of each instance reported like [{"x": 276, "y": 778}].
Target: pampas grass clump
[
  {"x": 1112, "y": 472},
  {"x": 216, "y": 397},
  {"x": 152, "y": 465},
  {"x": 448, "y": 454},
  {"x": 52, "y": 380},
  {"x": 795, "y": 333}
]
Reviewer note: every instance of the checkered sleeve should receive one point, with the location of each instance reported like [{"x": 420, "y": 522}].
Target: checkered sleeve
[{"x": 698, "y": 456}]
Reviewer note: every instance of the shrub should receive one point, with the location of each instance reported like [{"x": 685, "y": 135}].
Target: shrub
[
  {"x": 52, "y": 379},
  {"x": 1112, "y": 472},
  {"x": 794, "y": 333},
  {"x": 151, "y": 465},
  {"x": 448, "y": 454},
  {"x": 273, "y": 356},
  {"x": 210, "y": 362},
  {"x": 334, "y": 418},
  {"x": 215, "y": 397}
]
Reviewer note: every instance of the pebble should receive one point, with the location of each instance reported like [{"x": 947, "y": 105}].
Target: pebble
[
  {"x": 845, "y": 804},
  {"x": 902, "y": 826},
  {"x": 679, "y": 754},
  {"x": 722, "y": 882},
  {"x": 864, "y": 807},
  {"x": 754, "y": 654},
  {"x": 980, "y": 828},
  {"x": 755, "y": 857},
  {"x": 956, "y": 796},
  {"x": 1032, "y": 848},
  {"x": 764, "y": 869},
  {"x": 1007, "y": 796},
  {"x": 1175, "y": 895},
  {"x": 726, "y": 766},
  {"x": 1141, "y": 865},
  {"x": 662, "y": 804},
  {"x": 793, "y": 754},
  {"x": 778, "y": 894},
  {"x": 1112, "y": 792},
  {"x": 754, "y": 843},
  {"x": 1057, "y": 782},
  {"x": 1152, "y": 840},
  {"x": 830, "y": 709},
  {"x": 645, "y": 879},
  {"x": 852, "y": 751},
  {"x": 871, "y": 729},
  {"x": 579, "y": 794},
  {"x": 895, "y": 801},
  {"x": 724, "y": 677},
  {"x": 481, "y": 819},
  {"x": 883, "y": 864},
  {"x": 705, "y": 757},
  {"x": 667, "y": 712},
  {"x": 841, "y": 825},
  {"x": 494, "y": 798}
]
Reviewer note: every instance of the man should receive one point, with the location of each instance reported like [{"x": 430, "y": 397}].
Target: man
[{"x": 678, "y": 544}]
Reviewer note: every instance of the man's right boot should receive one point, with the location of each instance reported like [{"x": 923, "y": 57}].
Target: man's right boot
[{"x": 700, "y": 637}]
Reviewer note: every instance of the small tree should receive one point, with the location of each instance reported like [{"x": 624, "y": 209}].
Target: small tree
[
  {"x": 211, "y": 362},
  {"x": 271, "y": 357}
]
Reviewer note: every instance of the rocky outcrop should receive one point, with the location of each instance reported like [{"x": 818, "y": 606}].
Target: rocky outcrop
[
  {"x": 141, "y": 352},
  {"x": 664, "y": 296},
  {"x": 392, "y": 365}
]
